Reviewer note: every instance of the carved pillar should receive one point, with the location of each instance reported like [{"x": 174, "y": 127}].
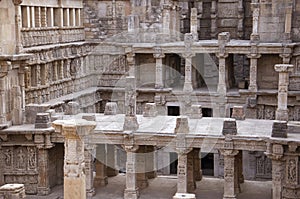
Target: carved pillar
[
  {"x": 194, "y": 24},
  {"x": 230, "y": 173},
  {"x": 240, "y": 26},
  {"x": 253, "y": 72},
  {"x": 223, "y": 39},
  {"x": 159, "y": 79},
  {"x": 255, "y": 22},
  {"x": 288, "y": 24},
  {"x": 166, "y": 18},
  {"x": 188, "y": 87},
  {"x": 290, "y": 190},
  {"x": 132, "y": 190},
  {"x": 142, "y": 179},
  {"x": 19, "y": 46},
  {"x": 185, "y": 172},
  {"x": 213, "y": 16},
  {"x": 3, "y": 85},
  {"x": 131, "y": 63},
  {"x": 89, "y": 165},
  {"x": 74, "y": 132},
  {"x": 130, "y": 122},
  {"x": 111, "y": 161},
  {"x": 197, "y": 164},
  {"x": 282, "y": 111},
  {"x": 101, "y": 172},
  {"x": 43, "y": 178},
  {"x": 275, "y": 153},
  {"x": 151, "y": 162}
]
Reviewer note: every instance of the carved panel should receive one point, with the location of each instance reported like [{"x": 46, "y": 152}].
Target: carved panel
[
  {"x": 263, "y": 167},
  {"x": 292, "y": 171}
]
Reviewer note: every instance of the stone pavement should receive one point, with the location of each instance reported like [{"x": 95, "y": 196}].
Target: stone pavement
[{"x": 164, "y": 187}]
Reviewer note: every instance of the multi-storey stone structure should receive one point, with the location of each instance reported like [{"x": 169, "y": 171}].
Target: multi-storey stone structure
[{"x": 200, "y": 59}]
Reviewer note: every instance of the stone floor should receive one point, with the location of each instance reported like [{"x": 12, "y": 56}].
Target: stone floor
[{"x": 164, "y": 187}]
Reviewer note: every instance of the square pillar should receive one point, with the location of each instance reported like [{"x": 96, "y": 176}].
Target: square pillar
[
  {"x": 142, "y": 179},
  {"x": 111, "y": 161},
  {"x": 255, "y": 7},
  {"x": 188, "y": 87},
  {"x": 101, "y": 172},
  {"x": 132, "y": 190},
  {"x": 230, "y": 174},
  {"x": 194, "y": 23},
  {"x": 166, "y": 18},
  {"x": 197, "y": 165},
  {"x": 191, "y": 186},
  {"x": 158, "y": 55},
  {"x": 282, "y": 111},
  {"x": 151, "y": 160},
  {"x": 253, "y": 72},
  {"x": 89, "y": 165},
  {"x": 74, "y": 132},
  {"x": 43, "y": 168}
]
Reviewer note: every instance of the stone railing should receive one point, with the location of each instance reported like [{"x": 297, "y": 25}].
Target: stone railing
[{"x": 42, "y": 36}]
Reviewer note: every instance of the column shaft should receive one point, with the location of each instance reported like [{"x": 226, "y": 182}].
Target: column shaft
[
  {"x": 101, "y": 175},
  {"x": 43, "y": 178},
  {"x": 131, "y": 191},
  {"x": 188, "y": 75}
]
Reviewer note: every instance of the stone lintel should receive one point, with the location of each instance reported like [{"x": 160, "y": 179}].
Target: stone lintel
[{"x": 283, "y": 68}]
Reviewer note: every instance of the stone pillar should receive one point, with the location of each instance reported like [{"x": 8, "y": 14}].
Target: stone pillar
[
  {"x": 185, "y": 172},
  {"x": 101, "y": 172},
  {"x": 141, "y": 173},
  {"x": 213, "y": 16},
  {"x": 230, "y": 174},
  {"x": 3, "y": 84},
  {"x": 43, "y": 170},
  {"x": 74, "y": 132},
  {"x": 194, "y": 24},
  {"x": 111, "y": 161},
  {"x": 151, "y": 162},
  {"x": 133, "y": 23},
  {"x": 159, "y": 78},
  {"x": 223, "y": 38},
  {"x": 282, "y": 111},
  {"x": 253, "y": 72},
  {"x": 166, "y": 18},
  {"x": 188, "y": 87},
  {"x": 255, "y": 22},
  {"x": 275, "y": 153},
  {"x": 191, "y": 181},
  {"x": 197, "y": 164},
  {"x": 130, "y": 123},
  {"x": 18, "y": 27},
  {"x": 12, "y": 191},
  {"x": 131, "y": 64},
  {"x": 89, "y": 165},
  {"x": 132, "y": 190},
  {"x": 288, "y": 23}
]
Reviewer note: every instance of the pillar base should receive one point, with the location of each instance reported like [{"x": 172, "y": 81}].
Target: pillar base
[
  {"x": 131, "y": 194},
  {"x": 151, "y": 174},
  {"x": 188, "y": 87},
  {"x": 184, "y": 196},
  {"x": 198, "y": 176},
  {"x": 90, "y": 193},
  {"x": 101, "y": 181},
  {"x": 74, "y": 187},
  {"x": 282, "y": 115}
]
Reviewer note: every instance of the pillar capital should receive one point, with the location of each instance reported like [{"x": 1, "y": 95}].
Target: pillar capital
[
  {"x": 283, "y": 68},
  {"x": 253, "y": 55},
  {"x": 158, "y": 54},
  {"x": 74, "y": 129},
  {"x": 17, "y": 2},
  {"x": 275, "y": 151}
]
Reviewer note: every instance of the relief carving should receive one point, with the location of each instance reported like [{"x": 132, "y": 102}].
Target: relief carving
[
  {"x": 31, "y": 158},
  {"x": 292, "y": 171},
  {"x": 8, "y": 157},
  {"x": 20, "y": 159}
]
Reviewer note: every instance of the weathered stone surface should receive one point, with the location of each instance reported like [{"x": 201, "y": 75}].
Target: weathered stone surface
[
  {"x": 229, "y": 127},
  {"x": 72, "y": 108},
  {"x": 150, "y": 110},
  {"x": 12, "y": 191},
  {"x": 196, "y": 112},
  {"x": 279, "y": 129},
  {"x": 111, "y": 108},
  {"x": 238, "y": 113},
  {"x": 42, "y": 120}
]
